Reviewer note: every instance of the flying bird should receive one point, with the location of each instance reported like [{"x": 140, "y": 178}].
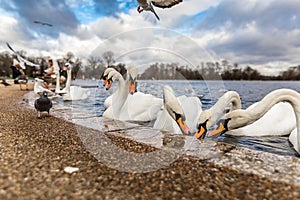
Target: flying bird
[
  {"x": 148, "y": 5},
  {"x": 43, "y": 23},
  {"x": 22, "y": 61},
  {"x": 43, "y": 104}
]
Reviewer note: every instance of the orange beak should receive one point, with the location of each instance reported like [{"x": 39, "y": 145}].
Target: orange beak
[
  {"x": 109, "y": 84},
  {"x": 218, "y": 131},
  {"x": 105, "y": 78},
  {"x": 201, "y": 133},
  {"x": 132, "y": 87},
  {"x": 183, "y": 126}
]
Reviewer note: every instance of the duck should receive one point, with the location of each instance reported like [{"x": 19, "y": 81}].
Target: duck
[
  {"x": 72, "y": 93},
  {"x": 210, "y": 116},
  {"x": 147, "y": 5},
  {"x": 124, "y": 106},
  {"x": 278, "y": 113}
]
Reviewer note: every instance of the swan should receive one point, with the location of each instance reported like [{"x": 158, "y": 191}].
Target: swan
[
  {"x": 172, "y": 118},
  {"x": 38, "y": 86},
  {"x": 137, "y": 107},
  {"x": 280, "y": 122},
  {"x": 108, "y": 100},
  {"x": 131, "y": 81},
  {"x": 73, "y": 92},
  {"x": 210, "y": 116}
]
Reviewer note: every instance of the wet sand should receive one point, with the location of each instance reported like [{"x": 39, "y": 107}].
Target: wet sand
[{"x": 34, "y": 153}]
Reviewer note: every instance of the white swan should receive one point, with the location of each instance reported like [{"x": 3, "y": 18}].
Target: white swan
[
  {"x": 137, "y": 107},
  {"x": 131, "y": 81},
  {"x": 38, "y": 86},
  {"x": 210, "y": 116},
  {"x": 280, "y": 122},
  {"x": 108, "y": 100},
  {"x": 74, "y": 92},
  {"x": 172, "y": 118}
]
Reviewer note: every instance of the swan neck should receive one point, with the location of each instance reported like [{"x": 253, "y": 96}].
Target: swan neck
[
  {"x": 229, "y": 98},
  {"x": 68, "y": 82}
]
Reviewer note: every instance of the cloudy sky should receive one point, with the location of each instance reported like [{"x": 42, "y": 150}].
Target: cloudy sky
[{"x": 262, "y": 34}]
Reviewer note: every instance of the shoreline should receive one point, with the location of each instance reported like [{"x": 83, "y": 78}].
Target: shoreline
[{"x": 34, "y": 153}]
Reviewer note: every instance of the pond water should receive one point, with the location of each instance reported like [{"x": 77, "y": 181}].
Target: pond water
[{"x": 210, "y": 91}]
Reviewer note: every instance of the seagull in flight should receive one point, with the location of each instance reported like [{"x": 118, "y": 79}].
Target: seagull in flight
[
  {"x": 148, "y": 5},
  {"x": 43, "y": 23},
  {"x": 22, "y": 60}
]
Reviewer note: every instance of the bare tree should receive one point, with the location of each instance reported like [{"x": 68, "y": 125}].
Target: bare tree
[{"x": 108, "y": 58}]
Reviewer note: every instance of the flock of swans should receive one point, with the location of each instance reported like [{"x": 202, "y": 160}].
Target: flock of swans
[
  {"x": 277, "y": 114},
  {"x": 69, "y": 93}
]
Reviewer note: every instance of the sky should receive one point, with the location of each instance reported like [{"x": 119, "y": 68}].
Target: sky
[{"x": 262, "y": 34}]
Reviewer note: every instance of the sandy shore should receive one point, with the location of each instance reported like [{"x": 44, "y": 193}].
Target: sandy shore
[{"x": 34, "y": 153}]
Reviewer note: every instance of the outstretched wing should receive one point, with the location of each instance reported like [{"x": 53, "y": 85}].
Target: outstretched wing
[
  {"x": 43, "y": 23},
  {"x": 21, "y": 59},
  {"x": 165, "y": 3}
]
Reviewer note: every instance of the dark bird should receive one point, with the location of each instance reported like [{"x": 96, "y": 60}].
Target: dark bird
[
  {"x": 43, "y": 23},
  {"x": 148, "y": 5},
  {"x": 43, "y": 104},
  {"x": 5, "y": 83}
]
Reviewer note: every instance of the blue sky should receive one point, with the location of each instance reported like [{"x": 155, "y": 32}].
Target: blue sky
[{"x": 262, "y": 34}]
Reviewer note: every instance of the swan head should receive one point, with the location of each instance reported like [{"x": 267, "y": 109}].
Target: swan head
[
  {"x": 204, "y": 123},
  {"x": 174, "y": 109},
  {"x": 113, "y": 76},
  {"x": 132, "y": 78},
  {"x": 221, "y": 128},
  {"x": 105, "y": 75}
]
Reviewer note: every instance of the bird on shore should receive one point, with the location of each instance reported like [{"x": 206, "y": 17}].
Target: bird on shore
[
  {"x": 3, "y": 82},
  {"x": 148, "y": 5},
  {"x": 43, "y": 104}
]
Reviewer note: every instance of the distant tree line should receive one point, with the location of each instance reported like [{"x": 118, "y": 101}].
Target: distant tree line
[
  {"x": 94, "y": 67},
  {"x": 213, "y": 71}
]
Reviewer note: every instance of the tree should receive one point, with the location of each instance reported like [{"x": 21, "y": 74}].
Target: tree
[{"x": 108, "y": 58}]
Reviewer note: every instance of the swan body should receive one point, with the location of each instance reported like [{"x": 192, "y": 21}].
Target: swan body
[
  {"x": 73, "y": 93},
  {"x": 136, "y": 107},
  {"x": 273, "y": 124},
  {"x": 280, "y": 120}
]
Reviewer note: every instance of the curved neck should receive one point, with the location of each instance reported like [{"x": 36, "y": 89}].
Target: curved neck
[
  {"x": 120, "y": 95},
  {"x": 245, "y": 117},
  {"x": 230, "y": 98}
]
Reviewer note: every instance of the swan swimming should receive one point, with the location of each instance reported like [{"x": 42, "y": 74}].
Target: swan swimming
[
  {"x": 130, "y": 81},
  {"x": 279, "y": 122},
  {"x": 74, "y": 92},
  {"x": 137, "y": 107},
  {"x": 210, "y": 116},
  {"x": 172, "y": 118}
]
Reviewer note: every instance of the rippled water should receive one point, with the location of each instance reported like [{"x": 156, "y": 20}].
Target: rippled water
[{"x": 210, "y": 91}]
